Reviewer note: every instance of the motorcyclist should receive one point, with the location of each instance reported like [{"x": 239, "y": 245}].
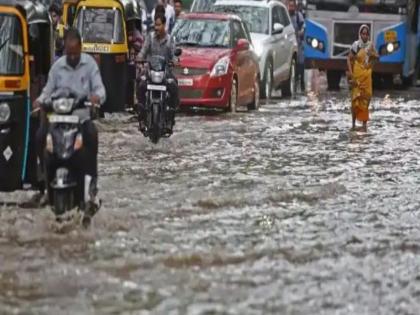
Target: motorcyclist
[
  {"x": 158, "y": 43},
  {"x": 56, "y": 13},
  {"x": 135, "y": 42},
  {"x": 77, "y": 75}
]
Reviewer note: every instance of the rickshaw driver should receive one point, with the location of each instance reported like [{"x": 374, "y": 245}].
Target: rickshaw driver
[{"x": 77, "y": 72}]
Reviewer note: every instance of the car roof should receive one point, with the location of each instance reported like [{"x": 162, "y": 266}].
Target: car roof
[
  {"x": 210, "y": 16},
  {"x": 251, "y": 3}
]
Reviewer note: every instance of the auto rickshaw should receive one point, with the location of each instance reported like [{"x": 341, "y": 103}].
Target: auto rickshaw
[
  {"x": 26, "y": 52},
  {"x": 69, "y": 12},
  {"x": 102, "y": 25}
]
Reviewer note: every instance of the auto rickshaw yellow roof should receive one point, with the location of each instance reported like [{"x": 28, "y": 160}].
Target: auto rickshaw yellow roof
[
  {"x": 132, "y": 9},
  {"x": 34, "y": 11}
]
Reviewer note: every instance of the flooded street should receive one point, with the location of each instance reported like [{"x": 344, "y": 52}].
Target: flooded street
[{"x": 280, "y": 211}]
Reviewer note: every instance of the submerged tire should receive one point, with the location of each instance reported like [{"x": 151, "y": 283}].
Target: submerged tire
[
  {"x": 155, "y": 130},
  {"x": 289, "y": 87},
  {"x": 63, "y": 200},
  {"x": 256, "y": 102},
  {"x": 266, "y": 87}
]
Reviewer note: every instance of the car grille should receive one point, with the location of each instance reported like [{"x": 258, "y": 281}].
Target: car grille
[
  {"x": 191, "y": 71},
  {"x": 344, "y": 36},
  {"x": 190, "y": 93}
]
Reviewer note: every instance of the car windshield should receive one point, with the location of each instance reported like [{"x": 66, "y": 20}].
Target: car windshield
[
  {"x": 104, "y": 26},
  {"x": 202, "y": 5},
  {"x": 11, "y": 46},
  {"x": 256, "y": 18},
  {"x": 371, "y": 6},
  {"x": 204, "y": 33}
]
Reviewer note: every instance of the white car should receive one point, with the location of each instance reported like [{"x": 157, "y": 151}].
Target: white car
[{"x": 274, "y": 40}]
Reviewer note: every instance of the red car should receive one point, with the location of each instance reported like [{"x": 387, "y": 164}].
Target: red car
[{"x": 218, "y": 67}]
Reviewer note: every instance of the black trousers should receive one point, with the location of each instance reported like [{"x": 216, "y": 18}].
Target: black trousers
[
  {"x": 85, "y": 160},
  {"x": 131, "y": 85},
  {"x": 301, "y": 75}
]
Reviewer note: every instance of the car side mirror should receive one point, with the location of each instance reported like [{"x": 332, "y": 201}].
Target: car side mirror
[
  {"x": 178, "y": 52},
  {"x": 278, "y": 28},
  {"x": 242, "y": 44}
]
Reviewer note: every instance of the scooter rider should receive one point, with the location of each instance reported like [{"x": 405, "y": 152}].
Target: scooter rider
[
  {"x": 75, "y": 74},
  {"x": 158, "y": 43}
]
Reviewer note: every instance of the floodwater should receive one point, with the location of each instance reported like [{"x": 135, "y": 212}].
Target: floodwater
[{"x": 280, "y": 211}]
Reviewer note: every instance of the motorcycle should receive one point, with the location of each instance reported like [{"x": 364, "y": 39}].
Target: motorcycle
[
  {"x": 67, "y": 187},
  {"x": 157, "y": 118}
]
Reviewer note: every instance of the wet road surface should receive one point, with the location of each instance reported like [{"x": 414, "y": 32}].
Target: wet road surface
[{"x": 280, "y": 211}]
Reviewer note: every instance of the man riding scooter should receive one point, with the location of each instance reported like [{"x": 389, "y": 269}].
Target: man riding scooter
[
  {"x": 75, "y": 75},
  {"x": 158, "y": 43}
]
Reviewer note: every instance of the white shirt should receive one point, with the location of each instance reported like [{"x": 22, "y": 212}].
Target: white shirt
[
  {"x": 83, "y": 81},
  {"x": 169, "y": 14}
]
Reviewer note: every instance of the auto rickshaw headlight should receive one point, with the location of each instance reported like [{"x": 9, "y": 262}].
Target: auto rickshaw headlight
[{"x": 4, "y": 112}]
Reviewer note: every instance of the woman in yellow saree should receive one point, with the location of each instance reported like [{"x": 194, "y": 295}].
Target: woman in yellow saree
[{"x": 359, "y": 61}]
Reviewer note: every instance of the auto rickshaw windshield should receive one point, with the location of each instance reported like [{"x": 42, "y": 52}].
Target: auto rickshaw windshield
[
  {"x": 101, "y": 25},
  {"x": 11, "y": 45}
]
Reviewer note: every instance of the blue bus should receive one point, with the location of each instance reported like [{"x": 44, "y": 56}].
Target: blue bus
[{"x": 333, "y": 25}]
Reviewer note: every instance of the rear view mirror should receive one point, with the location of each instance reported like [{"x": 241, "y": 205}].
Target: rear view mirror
[
  {"x": 178, "y": 52},
  {"x": 278, "y": 28},
  {"x": 242, "y": 44}
]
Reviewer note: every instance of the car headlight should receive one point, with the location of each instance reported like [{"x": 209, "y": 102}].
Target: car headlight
[
  {"x": 221, "y": 67},
  {"x": 390, "y": 47},
  {"x": 4, "y": 112},
  {"x": 157, "y": 76},
  {"x": 315, "y": 43}
]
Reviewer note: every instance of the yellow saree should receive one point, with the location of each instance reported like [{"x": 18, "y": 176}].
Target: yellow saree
[{"x": 362, "y": 85}]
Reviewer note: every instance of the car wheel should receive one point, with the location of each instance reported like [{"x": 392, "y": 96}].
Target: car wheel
[
  {"x": 289, "y": 87},
  {"x": 267, "y": 83},
  {"x": 233, "y": 100},
  {"x": 256, "y": 102}
]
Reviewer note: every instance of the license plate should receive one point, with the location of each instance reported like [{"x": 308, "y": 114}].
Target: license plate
[
  {"x": 67, "y": 119},
  {"x": 185, "y": 82},
  {"x": 390, "y": 36},
  {"x": 154, "y": 87}
]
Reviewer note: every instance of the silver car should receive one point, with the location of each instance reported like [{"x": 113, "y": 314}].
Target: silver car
[{"x": 274, "y": 40}]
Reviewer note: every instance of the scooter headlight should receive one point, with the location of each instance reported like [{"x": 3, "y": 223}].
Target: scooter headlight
[
  {"x": 314, "y": 43},
  {"x": 390, "y": 48},
  {"x": 63, "y": 105},
  {"x": 157, "y": 76},
  {"x": 4, "y": 112}
]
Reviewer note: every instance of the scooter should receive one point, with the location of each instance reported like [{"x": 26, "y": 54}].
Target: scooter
[{"x": 67, "y": 186}]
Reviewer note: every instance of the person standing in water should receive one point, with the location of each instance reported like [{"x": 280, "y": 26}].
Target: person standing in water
[{"x": 359, "y": 62}]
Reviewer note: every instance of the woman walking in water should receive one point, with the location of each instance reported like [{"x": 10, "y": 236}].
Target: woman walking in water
[{"x": 359, "y": 62}]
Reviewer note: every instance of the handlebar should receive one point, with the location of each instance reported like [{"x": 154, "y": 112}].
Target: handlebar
[{"x": 90, "y": 104}]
